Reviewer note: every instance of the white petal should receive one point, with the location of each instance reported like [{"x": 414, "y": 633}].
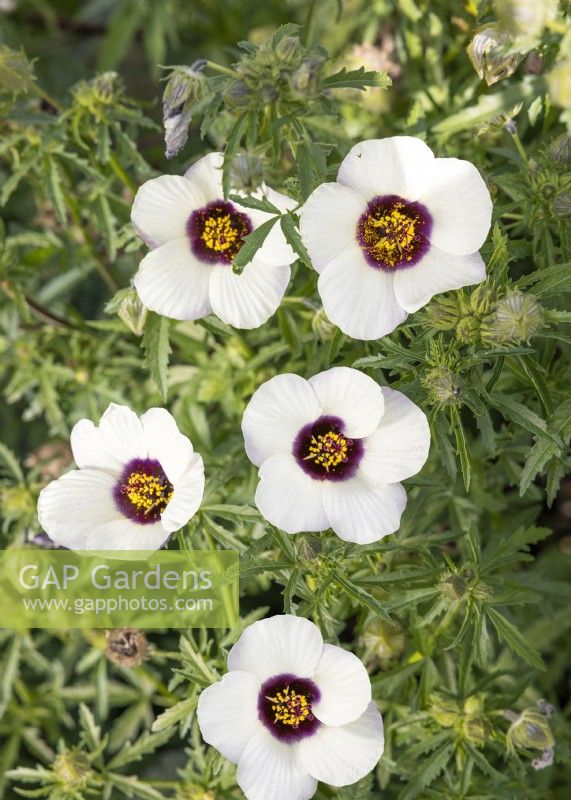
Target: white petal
[
  {"x": 278, "y": 645},
  {"x": 205, "y": 175},
  {"x": 351, "y": 395},
  {"x": 75, "y": 505},
  {"x": 172, "y": 282},
  {"x": 344, "y": 685},
  {"x": 399, "y": 447},
  {"x": 187, "y": 496},
  {"x": 362, "y": 511},
  {"x": 248, "y": 300},
  {"x": 162, "y": 208},
  {"x": 272, "y": 770},
  {"x": 342, "y": 756},
  {"x": 89, "y": 451},
  {"x": 358, "y": 298},
  {"x": 328, "y": 222},
  {"x": 276, "y": 413},
  {"x": 166, "y": 443},
  {"x": 460, "y": 205},
  {"x": 288, "y": 498},
  {"x": 437, "y": 272},
  {"x": 275, "y": 249},
  {"x": 228, "y": 713},
  {"x": 401, "y": 165},
  {"x": 124, "y": 534},
  {"x": 121, "y": 434}
]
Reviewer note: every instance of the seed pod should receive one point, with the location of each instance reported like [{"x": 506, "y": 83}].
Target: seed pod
[
  {"x": 488, "y": 54},
  {"x": 126, "y": 647},
  {"x": 73, "y": 769},
  {"x": 133, "y": 312},
  {"x": 515, "y": 319},
  {"x": 562, "y": 205},
  {"x": 382, "y": 643},
  {"x": 444, "y": 386},
  {"x": 530, "y": 731},
  {"x": 560, "y": 149},
  {"x": 322, "y": 326}
]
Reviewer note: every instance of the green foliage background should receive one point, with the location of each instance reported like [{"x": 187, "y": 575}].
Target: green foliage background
[{"x": 462, "y": 615}]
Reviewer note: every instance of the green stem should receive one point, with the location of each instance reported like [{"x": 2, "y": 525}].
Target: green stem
[
  {"x": 127, "y": 181},
  {"x": 310, "y": 23},
  {"x": 47, "y": 97},
  {"x": 519, "y": 148},
  {"x": 224, "y": 70}
]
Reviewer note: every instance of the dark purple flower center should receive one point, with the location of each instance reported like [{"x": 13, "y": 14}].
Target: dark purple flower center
[
  {"x": 143, "y": 491},
  {"x": 324, "y": 452},
  {"x": 285, "y": 707},
  {"x": 217, "y": 232},
  {"x": 394, "y": 233}
]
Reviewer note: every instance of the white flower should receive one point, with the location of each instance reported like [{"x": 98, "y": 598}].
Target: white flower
[
  {"x": 331, "y": 453},
  {"x": 292, "y": 711},
  {"x": 398, "y": 227},
  {"x": 138, "y": 481},
  {"x": 195, "y": 235}
]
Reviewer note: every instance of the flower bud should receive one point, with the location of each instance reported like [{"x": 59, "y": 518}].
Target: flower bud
[
  {"x": 16, "y": 72},
  {"x": 289, "y": 50},
  {"x": 468, "y": 329},
  {"x": 443, "y": 313},
  {"x": 515, "y": 319},
  {"x": 309, "y": 546},
  {"x": 530, "y": 731},
  {"x": 246, "y": 173},
  {"x": 238, "y": 94},
  {"x": 559, "y": 84},
  {"x": 305, "y": 76},
  {"x": 322, "y": 326},
  {"x": 526, "y": 18},
  {"x": 192, "y": 792},
  {"x": 487, "y": 53},
  {"x": 73, "y": 769},
  {"x": 444, "y": 386},
  {"x": 382, "y": 643},
  {"x": 560, "y": 149},
  {"x": 482, "y": 299},
  {"x": 133, "y": 312},
  {"x": 184, "y": 84},
  {"x": 126, "y": 647},
  {"x": 453, "y": 587}
]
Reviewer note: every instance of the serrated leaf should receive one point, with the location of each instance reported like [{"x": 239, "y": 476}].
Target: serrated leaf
[
  {"x": 429, "y": 770},
  {"x": 510, "y": 635},
  {"x": 357, "y": 79},
  {"x": 362, "y": 597},
  {"x": 157, "y": 349},
  {"x": 293, "y": 238},
  {"x": 251, "y": 244},
  {"x": 177, "y": 713}
]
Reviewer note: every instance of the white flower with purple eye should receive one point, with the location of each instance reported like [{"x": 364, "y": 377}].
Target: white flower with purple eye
[
  {"x": 332, "y": 452},
  {"x": 195, "y": 235},
  {"x": 138, "y": 481},
  {"x": 292, "y": 711},
  {"x": 397, "y": 227}
]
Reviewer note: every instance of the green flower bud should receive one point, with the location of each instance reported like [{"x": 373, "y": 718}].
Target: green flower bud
[
  {"x": 530, "y": 731},
  {"x": 482, "y": 299},
  {"x": 488, "y": 56},
  {"x": 289, "y": 50},
  {"x": 268, "y": 94},
  {"x": 468, "y": 329},
  {"x": 444, "y": 313},
  {"x": 193, "y": 792},
  {"x": 246, "y": 173},
  {"x": 72, "y": 769},
  {"x": 16, "y": 72},
  {"x": 238, "y": 94},
  {"x": 559, "y": 84},
  {"x": 305, "y": 76},
  {"x": 562, "y": 205},
  {"x": 309, "y": 547},
  {"x": 475, "y": 727},
  {"x": 560, "y": 149},
  {"x": 184, "y": 84},
  {"x": 515, "y": 319},
  {"x": 322, "y": 326},
  {"x": 453, "y": 587},
  {"x": 445, "y": 712},
  {"x": 382, "y": 643},
  {"x": 444, "y": 386},
  {"x": 132, "y": 312},
  {"x": 526, "y": 18}
]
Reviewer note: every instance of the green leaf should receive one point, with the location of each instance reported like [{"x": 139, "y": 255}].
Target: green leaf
[
  {"x": 362, "y": 597},
  {"x": 179, "y": 713},
  {"x": 232, "y": 145},
  {"x": 509, "y": 634},
  {"x": 157, "y": 349},
  {"x": 131, "y": 786},
  {"x": 145, "y": 744},
  {"x": 357, "y": 79},
  {"x": 251, "y": 244},
  {"x": 56, "y": 191},
  {"x": 259, "y": 203},
  {"x": 293, "y": 238},
  {"x": 427, "y": 773}
]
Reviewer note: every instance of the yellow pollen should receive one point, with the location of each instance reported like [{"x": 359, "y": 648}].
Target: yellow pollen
[
  {"x": 219, "y": 233},
  {"x": 147, "y": 492},
  {"x": 290, "y": 708},
  {"x": 389, "y": 237},
  {"x": 328, "y": 450}
]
